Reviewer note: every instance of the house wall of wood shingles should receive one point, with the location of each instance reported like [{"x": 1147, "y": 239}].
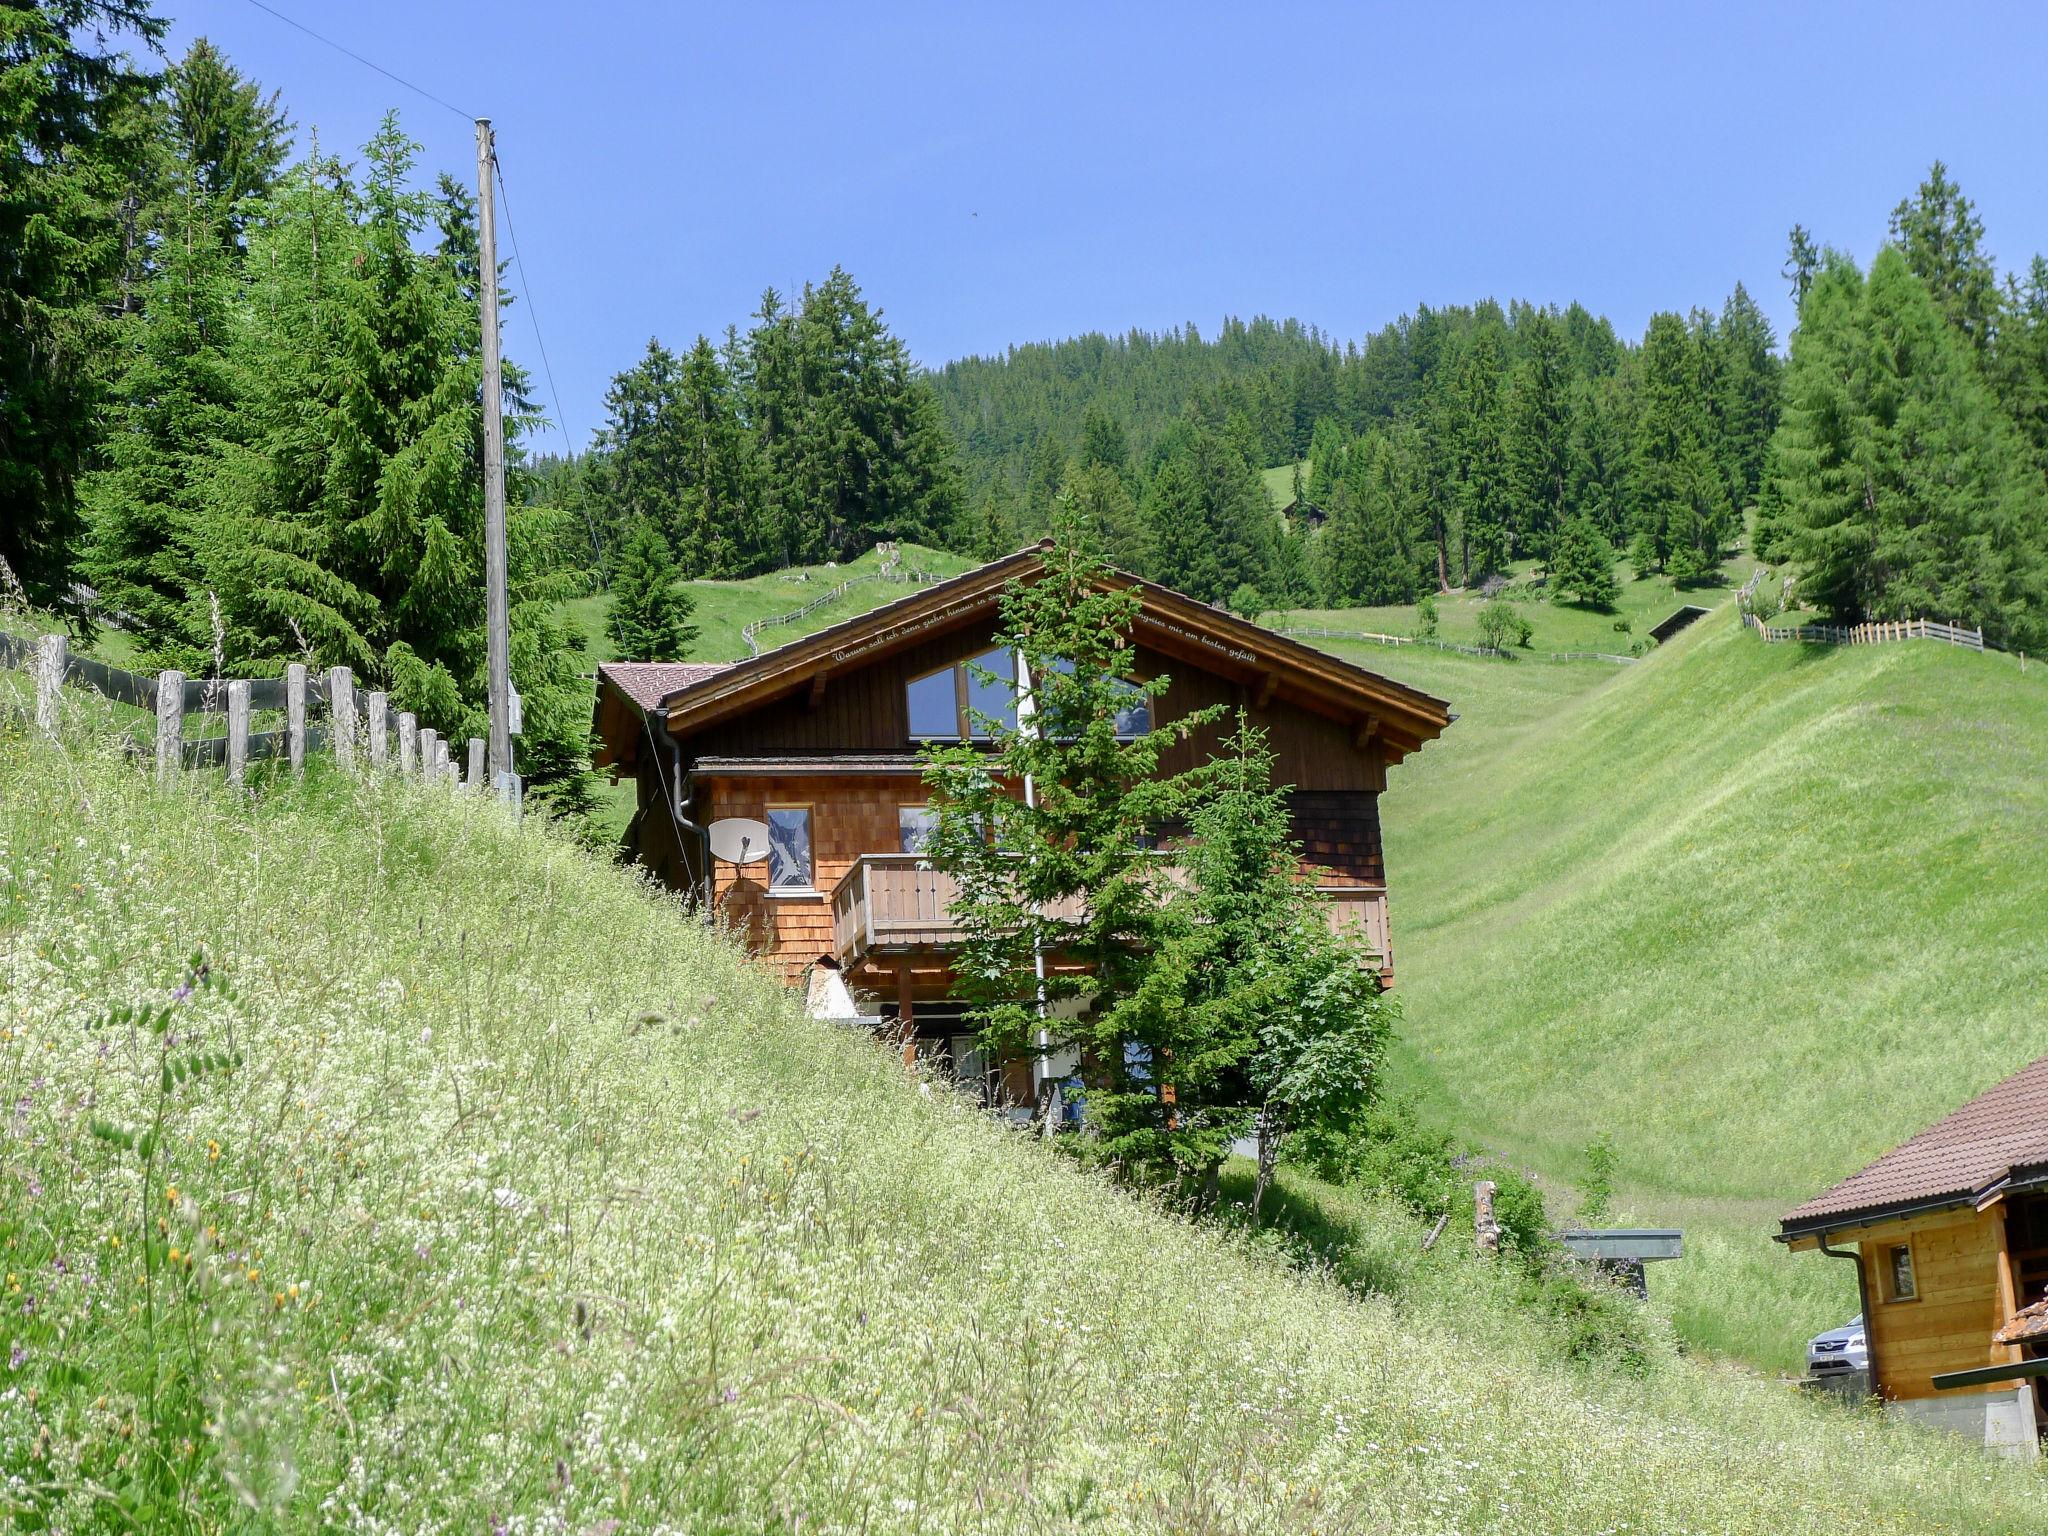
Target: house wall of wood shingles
[{"x": 849, "y": 817}]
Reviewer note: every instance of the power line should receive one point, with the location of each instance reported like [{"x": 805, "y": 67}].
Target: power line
[
  {"x": 532, "y": 312},
  {"x": 526, "y": 280},
  {"x": 418, "y": 90}
]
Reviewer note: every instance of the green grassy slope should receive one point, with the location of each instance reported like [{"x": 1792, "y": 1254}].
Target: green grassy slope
[
  {"x": 1642, "y": 603},
  {"x": 724, "y": 608},
  {"x": 1758, "y": 911},
  {"x": 531, "y": 1206}
]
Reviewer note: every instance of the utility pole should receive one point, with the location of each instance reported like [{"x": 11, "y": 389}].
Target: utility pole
[{"x": 497, "y": 612}]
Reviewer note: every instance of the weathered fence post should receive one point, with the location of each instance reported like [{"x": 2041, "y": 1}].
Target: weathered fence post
[
  {"x": 376, "y": 709},
  {"x": 295, "y": 713},
  {"x": 408, "y": 743},
  {"x": 430, "y": 764},
  {"x": 50, "y": 652},
  {"x": 238, "y": 731},
  {"x": 170, "y": 725},
  {"x": 1486, "y": 1230},
  {"x": 341, "y": 707},
  {"x": 475, "y": 781},
  {"x": 445, "y": 771}
]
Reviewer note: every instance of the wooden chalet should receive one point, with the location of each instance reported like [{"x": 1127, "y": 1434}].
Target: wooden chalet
[
  {"x": 1949, "y": 1235},
  {"x": 820, "y": 740}
]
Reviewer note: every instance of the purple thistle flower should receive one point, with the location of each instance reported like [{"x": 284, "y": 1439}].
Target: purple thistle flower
[{"x": 16, "y": 1357}]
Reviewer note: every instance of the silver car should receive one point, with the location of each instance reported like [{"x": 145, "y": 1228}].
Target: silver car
[{"x": 1839, "y": 1351}]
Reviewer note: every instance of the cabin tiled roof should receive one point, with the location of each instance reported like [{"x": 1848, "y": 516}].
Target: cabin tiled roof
[
  {"x": 647, "y": 683},
  {"x": 1999, "y": 1136}
]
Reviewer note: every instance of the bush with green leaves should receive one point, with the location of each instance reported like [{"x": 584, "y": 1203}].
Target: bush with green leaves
[{"x": 1501, "y": 625}]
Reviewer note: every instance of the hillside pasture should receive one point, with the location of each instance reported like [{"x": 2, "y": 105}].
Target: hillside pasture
[
  {"x": 530, "y": 1205},
  {"x": 1757, "y": 911}
]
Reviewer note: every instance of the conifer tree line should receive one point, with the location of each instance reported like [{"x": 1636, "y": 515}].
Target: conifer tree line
[
  {"x": 811, "y": 436},
  {"x": 1910, "y": 472},
  {"x": 261, "y": 439},
  {"x": 1439, "y": 451}
]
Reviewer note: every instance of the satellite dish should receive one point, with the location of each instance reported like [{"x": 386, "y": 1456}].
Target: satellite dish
[{"x": 739, "y": 840}]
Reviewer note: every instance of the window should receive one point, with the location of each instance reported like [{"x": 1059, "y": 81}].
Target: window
[
  {"x": 914, "y": 827},
  {"x": 789, "y": 847},
  {"x": 1134, "y": 715},
  {"x": 1898, "y": 1271},
  {"x": 935, "y": 705},
  {"x": 955, "y": 703}
]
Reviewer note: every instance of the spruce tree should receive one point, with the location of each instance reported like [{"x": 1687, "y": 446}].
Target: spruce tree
[
  {"x": 174, "y": 399},
  {"x": 649, "y": 617},
  {"x": 1907, "y": 489},
  {"x": 1582, "y": 564},
  {"x": 73, "y": 138},
  {"x": 1096, "y": 512},
  {"x": 1681, "y": 509},
  {"x": 1942, "y": 238},
  {"x": 1747, "y": 377},
  {"x": 1538, "y": 421},
  {"x": 1069, "y": 872},
  {"x": 1210, "y": 526}
]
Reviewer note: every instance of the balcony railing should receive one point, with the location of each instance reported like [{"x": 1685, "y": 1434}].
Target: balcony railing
[{"x": 891, "y": 903}]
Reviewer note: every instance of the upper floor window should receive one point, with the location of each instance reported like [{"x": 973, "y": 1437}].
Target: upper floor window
[
  {"x": 789, "y": 847},
  {"x": 914, "y": 827},
  {"x": 955, "y": 702}
]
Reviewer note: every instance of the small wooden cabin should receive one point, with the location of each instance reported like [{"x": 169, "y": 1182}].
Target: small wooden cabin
[
  {"x": 1949, "y": 1235},
  {"x": 820, "y": 740}
]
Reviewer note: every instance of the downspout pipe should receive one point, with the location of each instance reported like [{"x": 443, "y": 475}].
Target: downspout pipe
[
  {"x": 1855, "y": 1256},
  {"x": 672, "y": 801}
]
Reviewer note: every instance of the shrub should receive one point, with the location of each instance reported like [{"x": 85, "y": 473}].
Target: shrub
[
  {"x": 1425, "y": 617},
  {"x": 1501, "y": 625}
]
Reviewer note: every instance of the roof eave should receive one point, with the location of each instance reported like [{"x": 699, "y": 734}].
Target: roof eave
[{"x": 1409, "y": 718}]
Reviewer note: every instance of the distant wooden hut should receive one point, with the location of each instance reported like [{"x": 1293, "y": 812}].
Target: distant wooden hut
[{"x": 1949, "y": 1235}]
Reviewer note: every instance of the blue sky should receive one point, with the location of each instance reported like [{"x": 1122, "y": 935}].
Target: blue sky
[{"x": 996, "y": 177}]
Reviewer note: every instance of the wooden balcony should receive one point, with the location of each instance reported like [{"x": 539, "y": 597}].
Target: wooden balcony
[
  {"x": 894, "y": 903},
  {"x": 889, "y": 903}
]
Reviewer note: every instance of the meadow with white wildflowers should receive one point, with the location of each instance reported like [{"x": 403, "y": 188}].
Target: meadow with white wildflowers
[{"x": 370, "y": 1163}]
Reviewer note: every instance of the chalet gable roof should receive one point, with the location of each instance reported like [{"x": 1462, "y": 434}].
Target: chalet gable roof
[
  {"x": 1998, "y": 1139},
  {"x": 1403, "y": 718}
]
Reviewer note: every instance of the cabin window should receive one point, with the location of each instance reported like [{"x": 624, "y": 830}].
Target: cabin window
[
  {"x": 1898, "y": 1272},
  {"x": 789, "y": 847},
  {"x": 915, "y": 825},
  {"x": 1133, "y": 714},
  {"x": 991, "y": 701},
  {"x": 954, "y": 703},
  {"x": 934, "y": 705}
]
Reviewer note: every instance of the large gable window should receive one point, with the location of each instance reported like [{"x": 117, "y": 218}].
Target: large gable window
[{"x": 955, "y": 703}]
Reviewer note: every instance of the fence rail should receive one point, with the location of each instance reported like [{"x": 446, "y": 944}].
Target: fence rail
[
  {"x": 1373, "y": 637},
  {"x": 886, "y": 570},
  {"x": 361, "y": 726},
  {"x": 1876, "y": 632}
]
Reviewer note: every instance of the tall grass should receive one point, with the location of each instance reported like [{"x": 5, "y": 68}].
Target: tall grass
[
  {"x": 1760, "y": 911},
  {"x": 532, "y": 1208}
]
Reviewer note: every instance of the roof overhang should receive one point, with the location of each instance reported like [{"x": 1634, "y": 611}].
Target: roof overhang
[
  {"x": 1401, "y": 719},
  {"x": 1811, "y": 1231}
]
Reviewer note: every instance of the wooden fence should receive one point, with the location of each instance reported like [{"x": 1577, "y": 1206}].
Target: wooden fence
[
  {"x": 361, "y": 726},
  {"x": 886, "y": 570},
  {"x": 1372, "y": 637},
  {"x": 1876, "y": 632}
]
